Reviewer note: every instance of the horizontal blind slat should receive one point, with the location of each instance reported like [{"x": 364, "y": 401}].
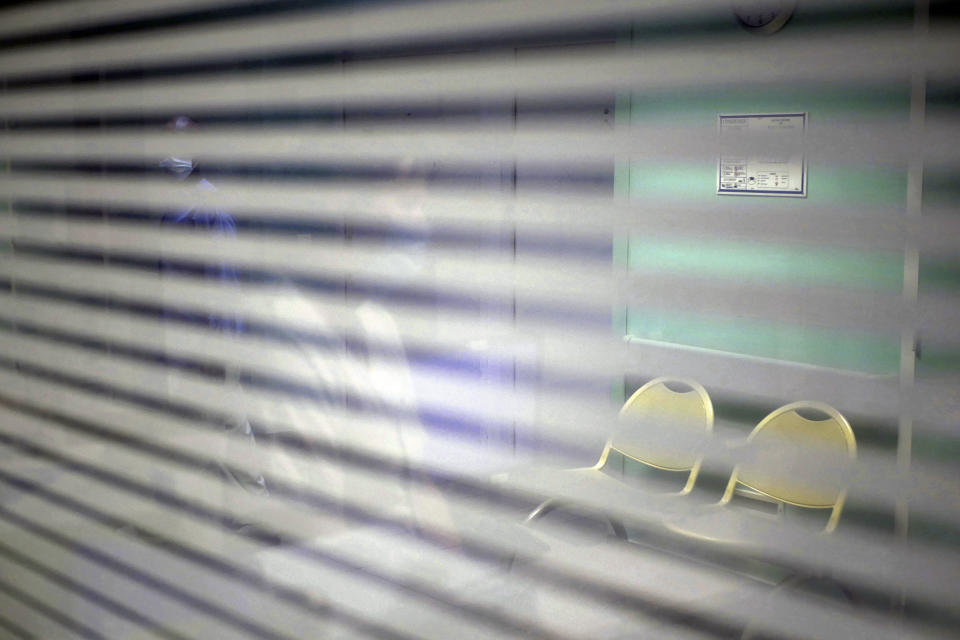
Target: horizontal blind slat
[{"x": 827, "y": 60}]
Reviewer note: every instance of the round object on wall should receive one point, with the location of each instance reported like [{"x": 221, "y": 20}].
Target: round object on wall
[{"x": 763, "y": 16}]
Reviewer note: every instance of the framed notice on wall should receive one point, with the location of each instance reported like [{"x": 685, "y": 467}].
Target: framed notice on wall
[{"x": 762, "y": 155}]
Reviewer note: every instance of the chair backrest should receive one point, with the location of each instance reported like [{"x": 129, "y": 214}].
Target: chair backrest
[
  {"x": 801, "y": 455},
  {"x": 662, "y": 425}
]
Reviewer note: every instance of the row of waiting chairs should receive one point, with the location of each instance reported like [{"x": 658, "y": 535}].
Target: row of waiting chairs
[{"x": 797, "y": 455}]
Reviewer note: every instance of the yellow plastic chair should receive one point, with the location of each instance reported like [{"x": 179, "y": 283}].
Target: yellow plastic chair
[
  {"x": 661, "y": 426},
  {"x": 793, "y": 459},
  {"x": 801, "y": 462}
]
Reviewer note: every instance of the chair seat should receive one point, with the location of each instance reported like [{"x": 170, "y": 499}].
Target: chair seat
[
  {"x": 548, "y": 480},
  {"x": 681, "y": 582},
  {"x": 587, "y": 487},
  {"x": 727, "y": 536}
]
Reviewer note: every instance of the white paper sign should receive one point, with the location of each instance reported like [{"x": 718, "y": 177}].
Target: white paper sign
[{"x": 762, "y": 155}]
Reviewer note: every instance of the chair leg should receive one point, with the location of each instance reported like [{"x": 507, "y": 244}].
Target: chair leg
[
  {"x": 619, "y": 530},
  {"x": 796, "y": 582},
  {"x": 545, "y": 507}
]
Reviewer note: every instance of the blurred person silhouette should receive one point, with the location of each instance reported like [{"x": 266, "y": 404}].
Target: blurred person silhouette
[
  {"x": 369, "y": 402},
  {"x": 300, "y": 437},
  {"x": 204, "y": 215},
  {"x": 340, "y": 353},
  {"x": 372, "y": 406}
]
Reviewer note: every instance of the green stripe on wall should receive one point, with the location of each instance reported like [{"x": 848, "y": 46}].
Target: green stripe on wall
[
  {"x": 939, "y": 274},
  {"x": 819, "y": 100},
  {"x": 826, "y": 186},
  {"x": 790, "y": 265},
  {"x": 851, "y": 350}
]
